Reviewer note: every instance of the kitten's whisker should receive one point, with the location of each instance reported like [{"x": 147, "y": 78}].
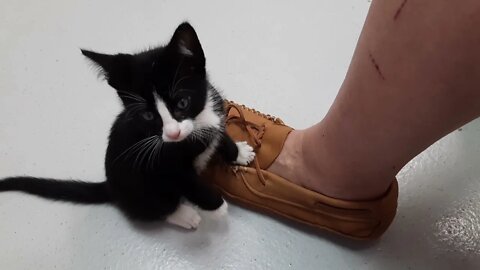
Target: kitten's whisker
[
  {"x": 135, "y": 145},
  {"x": 150, "y": 149},
  {"x": 152, "y": 157},
  {"x": 137, "y": 156},
  {"x": 135, "y": 104},
  {"x": 159, "y": 148},
  {"x": 199, "y": 138},
  {"x": 133, "y": 98},
  {"x": 160, "y": 151},
  {"x": 138, "y": 150},
  {"x": 132, "y": 111},
  {"x": 149, "y": 164},
  {"x": 133, "y": 108},
  {"x": 131, "y": 95},
  {"x": 142, "y": 153}
]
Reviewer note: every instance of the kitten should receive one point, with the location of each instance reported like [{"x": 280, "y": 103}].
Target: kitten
[{"x": 171, "y": 124}]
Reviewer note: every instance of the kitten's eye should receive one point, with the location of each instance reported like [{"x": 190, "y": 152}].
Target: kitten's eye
[
  {"x": 147, "y": 116},
  {"x": 183, "y": 103}
]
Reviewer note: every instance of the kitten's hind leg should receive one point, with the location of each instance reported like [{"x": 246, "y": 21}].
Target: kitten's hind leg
[
  {"x": 220, "y": 211},
  {"x": 203, "y": 195},
  {"x": 185, "y": 216}
]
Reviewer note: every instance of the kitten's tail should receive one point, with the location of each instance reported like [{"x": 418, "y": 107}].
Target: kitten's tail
[{"x": 72, "y": 191}]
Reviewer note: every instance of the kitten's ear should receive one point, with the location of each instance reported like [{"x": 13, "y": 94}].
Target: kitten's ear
[
  {"x": 116, "y": 69},
  {"x": 185, "y": 43}
]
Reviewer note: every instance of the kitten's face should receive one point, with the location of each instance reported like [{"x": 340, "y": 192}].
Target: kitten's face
[{"x": 164, "y": 90}]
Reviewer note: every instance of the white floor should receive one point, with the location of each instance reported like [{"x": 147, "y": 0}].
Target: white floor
[{"x": 283, "y": 58}]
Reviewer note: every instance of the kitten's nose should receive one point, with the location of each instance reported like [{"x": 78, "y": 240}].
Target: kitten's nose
[{"x": 174, "y": 135}]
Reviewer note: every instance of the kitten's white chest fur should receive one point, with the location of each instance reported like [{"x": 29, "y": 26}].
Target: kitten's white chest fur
[
  {"x": 202, "y": 160},
  {"x": 208, "y": 118}
]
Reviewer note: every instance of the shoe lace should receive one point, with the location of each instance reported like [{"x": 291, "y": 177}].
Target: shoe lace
[{"x": 255, "y": 132}]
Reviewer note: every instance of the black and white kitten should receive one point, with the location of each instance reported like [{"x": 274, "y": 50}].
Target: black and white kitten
[{"x": 171, "y": 124}]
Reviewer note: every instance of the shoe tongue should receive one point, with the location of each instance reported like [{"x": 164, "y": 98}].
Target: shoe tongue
[{"x": 272, "y": 144}]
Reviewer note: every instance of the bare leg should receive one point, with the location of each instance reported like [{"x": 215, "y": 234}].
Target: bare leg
[{"x": 414, "y": 77}]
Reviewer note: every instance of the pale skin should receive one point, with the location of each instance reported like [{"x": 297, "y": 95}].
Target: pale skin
[{"x": 414, "y": 77}]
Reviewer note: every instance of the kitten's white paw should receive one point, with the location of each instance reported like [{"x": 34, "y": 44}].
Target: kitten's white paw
[
  {"x": 245, "y": 153},
  {"x": 220, "y": 211},
  {"x": 185, "y": 216}
]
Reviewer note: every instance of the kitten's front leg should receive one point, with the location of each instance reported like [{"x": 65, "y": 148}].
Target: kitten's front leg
[{"x": 239, "y": 152}]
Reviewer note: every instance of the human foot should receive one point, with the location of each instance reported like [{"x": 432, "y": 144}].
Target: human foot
[
  {"x": 306, "y": 159},
  {"x": 255, "y": 187}
]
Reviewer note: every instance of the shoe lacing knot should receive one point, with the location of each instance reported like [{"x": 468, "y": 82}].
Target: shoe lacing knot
[{"x": 254, "y": 131}]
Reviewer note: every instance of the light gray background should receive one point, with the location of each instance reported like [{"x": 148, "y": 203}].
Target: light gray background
[{"x": 287, "y": 58}]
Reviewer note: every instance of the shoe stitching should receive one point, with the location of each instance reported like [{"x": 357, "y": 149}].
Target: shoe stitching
[{"x": 270, "y": 117}]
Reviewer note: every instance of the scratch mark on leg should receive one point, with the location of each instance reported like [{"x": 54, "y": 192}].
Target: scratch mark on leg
[
  {"x": 377, "y": 67},
  {"x": 399, "y": 9}
]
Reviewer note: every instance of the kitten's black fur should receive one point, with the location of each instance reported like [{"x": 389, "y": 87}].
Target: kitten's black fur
[{"x": 149, "y": 185}]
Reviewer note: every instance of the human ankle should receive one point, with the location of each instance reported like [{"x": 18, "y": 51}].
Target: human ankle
[{"x": 331, "y": 170}]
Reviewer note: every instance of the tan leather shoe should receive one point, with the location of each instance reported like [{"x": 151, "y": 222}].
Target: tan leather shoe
[{"x": 254, "y": 187}]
